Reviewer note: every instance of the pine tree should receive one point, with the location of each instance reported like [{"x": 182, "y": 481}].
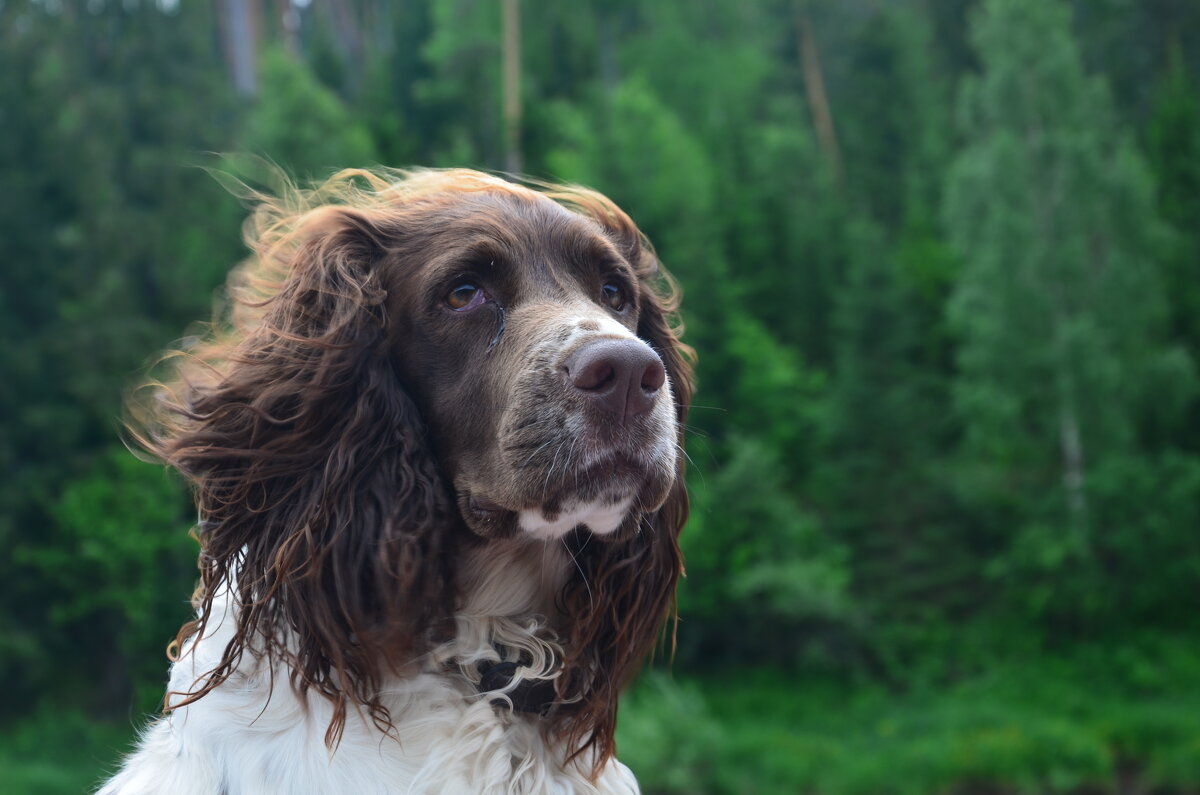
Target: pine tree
[
  {"x": 1174, "y": 148},
  {"x": 302, "y": 125},
  {"x": 877, "y": 478}
]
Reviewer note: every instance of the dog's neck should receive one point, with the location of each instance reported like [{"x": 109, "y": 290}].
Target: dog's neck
[{"x": 513, "y": 577}]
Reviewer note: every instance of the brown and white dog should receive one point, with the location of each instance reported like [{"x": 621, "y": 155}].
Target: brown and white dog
[{"x": 436, "y": 452}]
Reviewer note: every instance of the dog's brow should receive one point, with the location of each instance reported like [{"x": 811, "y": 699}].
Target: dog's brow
[{"x": 589, "y": 250}]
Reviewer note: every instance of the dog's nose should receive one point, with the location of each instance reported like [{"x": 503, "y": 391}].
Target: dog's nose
[{"x": 622, "y": 376}]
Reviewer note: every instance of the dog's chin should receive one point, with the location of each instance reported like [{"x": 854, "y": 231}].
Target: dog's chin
[{"x": 611, "y": 506}]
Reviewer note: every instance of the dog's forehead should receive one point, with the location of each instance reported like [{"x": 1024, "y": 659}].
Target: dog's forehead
[{"x": 525, "y": 229}]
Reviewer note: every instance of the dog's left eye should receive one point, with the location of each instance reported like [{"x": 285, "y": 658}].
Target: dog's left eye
[
  {"x": 612, "y": 296},
  {"x": 465, "y": 297}
]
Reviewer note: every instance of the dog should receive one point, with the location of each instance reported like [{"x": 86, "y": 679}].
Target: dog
[{"x": 435, "y": 441}]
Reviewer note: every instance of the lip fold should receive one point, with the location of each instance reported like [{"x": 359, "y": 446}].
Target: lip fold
[{"x": 484, "y": 506}]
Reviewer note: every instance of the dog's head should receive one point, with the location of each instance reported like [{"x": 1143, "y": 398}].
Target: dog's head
[
  {"x": 532, "y": 340},
  {"x": 419, "y": 363}
]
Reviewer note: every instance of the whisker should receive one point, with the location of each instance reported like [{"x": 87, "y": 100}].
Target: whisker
[
  {"x": 710, "y": 408},
  {"x": 683, "y": 451},
  {"x": 586, "y": 541},
  {"x": 553, "y": 466},
  {"x": 535, "y": 452},
  {"x": 705, "y": 445},
  {"x": 523, "y": 445},
  {"x": 535, "y": 422},
  {"x": 571, "y": 456},
  {"x": 582, "y": 573},
  {"x": 691, "y": 463}
]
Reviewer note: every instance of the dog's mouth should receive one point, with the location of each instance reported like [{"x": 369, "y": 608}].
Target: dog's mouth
[
  {"x": 611, "y": 479},
  {"x": 602, "y": 496},
  {"x": 614, "y": 473}
]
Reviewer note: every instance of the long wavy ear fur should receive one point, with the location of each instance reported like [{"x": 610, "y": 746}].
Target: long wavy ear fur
[
  {"x": 322, "y": 512},
  {"x": 321, "y": 509},
  {"x": 623, "y": 592}
]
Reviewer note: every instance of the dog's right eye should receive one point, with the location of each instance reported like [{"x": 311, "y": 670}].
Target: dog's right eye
[
  {"x": 465, "y": 297},
  {"x": 612, "y": 296}
]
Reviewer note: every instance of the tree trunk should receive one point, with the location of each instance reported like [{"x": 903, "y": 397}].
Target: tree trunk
[
  {"x": 814, "y": 89},
  {"x": 1073, "y": 466},
  {"x": 346, "y": 26},
  {"x": 512, "y": 87},
  {"x": 607, "y": 45},
  {"x": 239, "y": 37},
  {"x": 289, "y": 23}
]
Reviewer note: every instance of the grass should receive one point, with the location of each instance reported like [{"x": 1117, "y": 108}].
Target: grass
[
  {"x": 59, "y": 751},
  {"x": 1080, "y": 726}
]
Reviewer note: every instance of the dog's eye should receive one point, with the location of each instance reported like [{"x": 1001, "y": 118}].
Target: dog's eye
[
  {"x": 464, "y": 297},
  {"x": 612, "y": 296}
]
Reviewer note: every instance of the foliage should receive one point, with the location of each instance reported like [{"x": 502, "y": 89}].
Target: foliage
[
  {"x": 116, "y": 564},
  {"x": 305, "y": 127},
  {"x": 690, "y": 737},
  {"x": 761, "y": 572},
  {"x": 59, "y": 751},
  {"x": 113, "y": 242},
  {"x": 1049, "y": 724}
]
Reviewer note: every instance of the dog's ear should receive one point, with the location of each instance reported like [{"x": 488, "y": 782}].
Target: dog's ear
[
  {"x": 321, "y": 509},
  {"x": 611, "y": 635}
]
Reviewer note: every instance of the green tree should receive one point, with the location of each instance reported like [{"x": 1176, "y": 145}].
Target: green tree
[
  {"x": 1174, "y": 148},
  {"x": 302, "y": 125},
  {"x": 463, "y": 55},
  {"x": 120, "y": 557},
  {"x": 879, "y": 473},
  {"x": 112, "y": 244},
  {"x": 777, "y": 219},
  {"x": 1059, "y": 307},
  {"x": 895, "y": 120}
]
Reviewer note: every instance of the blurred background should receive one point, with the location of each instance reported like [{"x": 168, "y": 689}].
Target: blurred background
[{"x": 941, "y": 261}]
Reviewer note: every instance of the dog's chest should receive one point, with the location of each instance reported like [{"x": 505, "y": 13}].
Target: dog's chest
[{"x": 447, "y": 737}]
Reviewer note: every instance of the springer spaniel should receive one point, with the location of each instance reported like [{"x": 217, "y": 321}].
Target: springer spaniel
[{"x": 436, "y": 451}]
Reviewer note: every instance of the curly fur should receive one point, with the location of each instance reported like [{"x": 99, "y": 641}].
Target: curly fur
[{"x": 341, "y": 551}]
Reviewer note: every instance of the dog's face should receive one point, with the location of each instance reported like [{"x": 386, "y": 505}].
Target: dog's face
[{"x": 516, "y": 331}]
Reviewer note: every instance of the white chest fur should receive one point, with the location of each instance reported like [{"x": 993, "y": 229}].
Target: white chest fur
[{"x": 251, "y": 737}]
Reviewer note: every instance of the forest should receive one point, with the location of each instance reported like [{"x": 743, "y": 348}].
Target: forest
[{"x": 940, "y": 261}]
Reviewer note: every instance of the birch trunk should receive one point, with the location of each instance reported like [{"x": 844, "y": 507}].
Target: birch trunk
[
  {"x": 513, "y": 162},
  {"x": 1073, "y": 463},
  {"x": 239, "y": 34}
]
